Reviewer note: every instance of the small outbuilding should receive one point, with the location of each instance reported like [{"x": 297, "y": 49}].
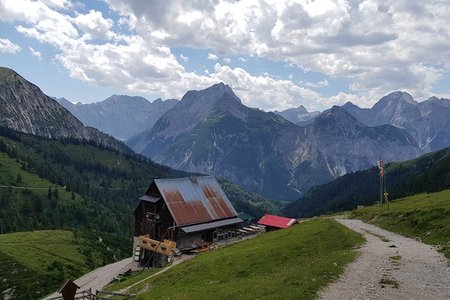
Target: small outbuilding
[
  {"x": 181, "y": 214},
  {"x": 68, "y": 290},
  {"x": 276, "y": 222}
]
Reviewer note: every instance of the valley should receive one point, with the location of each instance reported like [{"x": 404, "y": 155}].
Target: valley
[
  {"x": 211, "y": 131},
  {"x": 224, "y": 149},
  {"x": 74, "y": 187}
]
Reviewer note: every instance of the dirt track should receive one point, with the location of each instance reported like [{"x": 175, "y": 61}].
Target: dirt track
[
  {"x": 391, "y": 266},
  {"x": 99, "y": 278}
]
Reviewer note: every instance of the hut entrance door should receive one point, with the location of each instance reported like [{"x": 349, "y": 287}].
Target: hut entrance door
[{"x": 208, "y": 236}]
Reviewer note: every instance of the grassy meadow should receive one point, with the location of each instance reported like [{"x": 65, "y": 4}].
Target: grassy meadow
[
  {"x": 426, "y": 216},
  {"x": 36, "y": 263},
  {"x": 294, "y": 263}
]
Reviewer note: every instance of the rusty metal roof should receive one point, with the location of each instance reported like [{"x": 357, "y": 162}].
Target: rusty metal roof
[{"x": 194, "y": 201}]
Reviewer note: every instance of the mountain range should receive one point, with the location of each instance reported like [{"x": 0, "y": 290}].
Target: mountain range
[
  {"x": 119, "y": 115},
  {"x": 45, "y": 134},
  {"x": 428, "y": 121},
  {"x": 211, "y": 131},
  {"x": 25, "y": 108},
  {"x": 299, "y": 115}
]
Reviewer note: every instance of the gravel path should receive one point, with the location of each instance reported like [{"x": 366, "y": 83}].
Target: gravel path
[
  {"x": 391, "y": 266},
  {"x": 99, "y": 278}
]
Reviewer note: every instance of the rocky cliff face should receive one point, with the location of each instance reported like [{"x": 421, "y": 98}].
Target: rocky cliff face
[
  {"x": 427, "y": 121},
  {"x": 24, "y": 107},
  {"x": 337, "y": 144},
  {"x": 212, "y": 132},
  {"x": 120, "y": 115}
]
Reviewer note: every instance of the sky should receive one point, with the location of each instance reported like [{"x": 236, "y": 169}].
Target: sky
[{"x": 274, "y": 54}]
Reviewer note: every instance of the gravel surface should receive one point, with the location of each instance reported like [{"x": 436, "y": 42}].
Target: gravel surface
[
  {"x": 391, "y": 266},
  {"x": 99, "y": 278}
]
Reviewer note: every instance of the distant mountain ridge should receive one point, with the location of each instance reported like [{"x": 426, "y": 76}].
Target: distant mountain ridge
[
  {"x": 300, "y": 115},
  {"x": 25, "y": 108},
  {"x": 428, "y": 121},
  {"x": 211, "y": 131},
  {"x": 120, "y": 115}
]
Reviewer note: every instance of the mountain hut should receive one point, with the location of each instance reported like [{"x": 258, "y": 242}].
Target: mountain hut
[{"x": 181, "y": 214}]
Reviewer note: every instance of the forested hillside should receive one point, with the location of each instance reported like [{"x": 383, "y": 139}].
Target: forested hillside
[
  {"x": 68, "y": 184},
  {"x": 428, "y": 173}
]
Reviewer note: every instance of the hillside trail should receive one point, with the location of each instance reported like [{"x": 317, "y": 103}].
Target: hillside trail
[
  {"x": 99, "y": 278},
  {"x": 183, "y": 258},
  {"x": 391, "y": 266}
]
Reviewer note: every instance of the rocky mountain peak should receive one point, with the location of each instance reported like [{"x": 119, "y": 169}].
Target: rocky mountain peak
[
  {"x": 24, "y": 107},
  {"x": 397, "y": 98},
  {"x": 349, "y": 105},
  {"x": 210, "y": 94},
  {"x": 336, "y": 115},
  {"x": 299, "y": 115},
  {"x": 6, "y": 73},
  {"x": 302, "y": 109},
  {"x": 124, "y": 99},
  {"x": 336, "y": 121}
]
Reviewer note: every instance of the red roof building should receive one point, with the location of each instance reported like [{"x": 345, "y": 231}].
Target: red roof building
[{"x": 276, "y": 222}]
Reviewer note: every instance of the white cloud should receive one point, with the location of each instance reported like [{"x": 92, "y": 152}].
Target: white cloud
[
  {"x": 264, "y": 91},
  {"x": 94, "y": 25},
  {"x": 376, "y": 46},
  {"x": 39, "y": 21},
  {"x": 226, "y": 60},
  {"x": 35, "y": 53},
  {"x": 346, "y": 39},
  {"x": 319, "y": 84},
  {"x": 212, "y": 56},
  {"x": 61, "y": 4},
  {"x": 6, "y": 46},
  {"x": 185, "y": 58}
]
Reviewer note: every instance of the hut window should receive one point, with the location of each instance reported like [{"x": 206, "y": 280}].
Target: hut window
[{"x": 215, "y": 235}]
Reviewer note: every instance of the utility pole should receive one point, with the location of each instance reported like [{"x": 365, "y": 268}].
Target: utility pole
[{"x": 383, "y": 189}]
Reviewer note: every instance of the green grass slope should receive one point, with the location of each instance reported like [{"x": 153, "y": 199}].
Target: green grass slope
[
  {"x": 36, "y": 263},
  {"x": 426, "y": 216},
  {"x": 287, "y": 264}
]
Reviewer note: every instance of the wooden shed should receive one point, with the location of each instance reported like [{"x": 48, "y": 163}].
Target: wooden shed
[{"x": 276, "y": 222}]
